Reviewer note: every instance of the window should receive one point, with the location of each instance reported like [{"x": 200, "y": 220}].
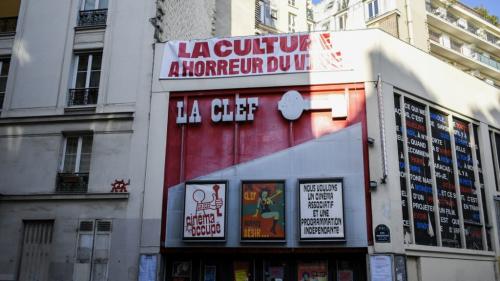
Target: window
[
  {"x": 36, "y": 250},
  {"x": 94, "y": 5},
  {"x": 291, "y": 3},
  {"x": 93, "y": 13},
  {"x": 265, "y": 14},
  {"x": 274, "y": 14},
  {"x": 495, "y": 151},
  {"x": 441, "y": 177},
  {"x": 342, "y": 20},
  {"x": 92, "y": 253},
  {"x": 75, "y": 164},
  {"x": 325, "y": 26},
  {"x": 291, "y": 22},
  {"x": 86, "y": 79},
  {"x": 4, "y": 72},
  {"x": 373, "y": 9}
]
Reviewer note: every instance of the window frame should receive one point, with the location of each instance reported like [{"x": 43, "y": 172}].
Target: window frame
[
  {"x": 292, "y": 20},
  {"x": 474, "y": 143},
  {"x": 342, "y": 20},
  {"x": 373, "y": 7},
  {"x": 78, "y": 157},
  {"x": 3, "y": 93},
  {"x": 96, "y": 5},
  {"x": 88, "y": 71}
]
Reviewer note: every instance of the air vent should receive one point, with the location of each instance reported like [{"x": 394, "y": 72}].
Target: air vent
[
  {"x": 86, "y": 225},
  {"x": 104, "y": 226}
]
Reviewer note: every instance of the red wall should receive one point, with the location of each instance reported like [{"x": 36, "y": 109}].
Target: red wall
[{"x": 194, "y": 150}]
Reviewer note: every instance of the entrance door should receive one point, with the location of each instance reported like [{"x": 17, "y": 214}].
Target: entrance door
[{"x": 35, "y": 258}]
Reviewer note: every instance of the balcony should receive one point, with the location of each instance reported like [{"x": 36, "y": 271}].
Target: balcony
[
  {"x": 459, "y": 27},
  {"x": 82, "y": 97},
  {"x": 92, "y": 18},
  {"x": 469, "y": 58},
  {"x": 72, "y": 182},
  {"x": 8, "y": 25}
]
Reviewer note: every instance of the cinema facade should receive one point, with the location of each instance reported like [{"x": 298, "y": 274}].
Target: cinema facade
[{"x": 321, "y": 156}]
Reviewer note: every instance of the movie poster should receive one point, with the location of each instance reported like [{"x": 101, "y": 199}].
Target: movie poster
[
  {"x": 321, "y": 209},
  {"x": 312, "y": 271},
  {"x": 263, "y": 210},
  {"x": 204, "y": 211}
]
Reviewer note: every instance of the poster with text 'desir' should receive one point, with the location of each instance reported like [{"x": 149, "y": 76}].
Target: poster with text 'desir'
[{"x": 321, "y": 209}]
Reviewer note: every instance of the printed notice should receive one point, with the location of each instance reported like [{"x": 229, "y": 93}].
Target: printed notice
[{"x": 321, "y": 210}]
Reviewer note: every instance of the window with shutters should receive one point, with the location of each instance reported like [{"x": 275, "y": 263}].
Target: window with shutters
[
  {"x": 36, "y": 250},
  {"x": 92, "y": 255},
  {"x": 75, "y": 165}
]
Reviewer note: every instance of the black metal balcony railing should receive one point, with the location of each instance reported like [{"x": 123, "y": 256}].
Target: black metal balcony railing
[
  {"x": 72, "y": 182},
  {"x": 83, "y": 96},
  {"x": 8, "y": 25},
  {"x": 92, "y": 18}
]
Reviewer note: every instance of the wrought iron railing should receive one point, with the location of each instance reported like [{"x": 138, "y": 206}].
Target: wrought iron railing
[
  {"x": 92, "y": 18},
  {"x": 8, "y": 25},
  {"x": 72, "y": 182},
  {"x": 83, "y": 96}
]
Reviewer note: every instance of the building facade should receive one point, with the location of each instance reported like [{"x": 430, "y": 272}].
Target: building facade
[
  {"x": 105, "y": 157},
  {"x": 448, "y": 30},
  {"x": 75, "y": 100},
  {"x": 425, "y": 191}
]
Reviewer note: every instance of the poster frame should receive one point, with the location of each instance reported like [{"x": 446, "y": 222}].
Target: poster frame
[
  {"x": 205, "y": 239},
  {"x": 319, "y": 180},
  {"x": 258, "y": 240}
]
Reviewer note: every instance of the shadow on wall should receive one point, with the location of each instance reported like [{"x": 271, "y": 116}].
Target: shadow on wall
[{"x": 425, "y": 227}]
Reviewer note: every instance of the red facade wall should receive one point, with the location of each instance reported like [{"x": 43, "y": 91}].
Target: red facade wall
[{"x": 194, "y": 150}]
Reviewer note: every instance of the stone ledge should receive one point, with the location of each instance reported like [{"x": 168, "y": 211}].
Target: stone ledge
[{"x": 65, "y": 196}]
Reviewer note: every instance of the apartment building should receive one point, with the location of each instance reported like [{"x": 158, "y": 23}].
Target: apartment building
[
  {"x": 74, "y": 97},
  {"x": 448, "y": 30}
]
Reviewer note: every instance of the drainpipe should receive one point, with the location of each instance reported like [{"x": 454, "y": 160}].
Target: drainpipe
[{"x": 409, "y": 21}]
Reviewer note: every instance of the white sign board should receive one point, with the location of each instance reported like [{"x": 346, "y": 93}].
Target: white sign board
[
  {"x": 251, "y": 55},
  {"x": 380, "y": 268},
  {"x": 204, "y": 211},
  {"x": 321, "y": 209}
]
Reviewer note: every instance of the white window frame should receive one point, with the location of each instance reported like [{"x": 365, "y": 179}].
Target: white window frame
[
  {"x": 96, "y": 5},
  {"x": 325, "y": 26},
  {"x": 373, "y": 7},
  {"x": 78, "y": 151},
  {"x": 342, "y": 18},
  {"x": 89, "y": 68},
  {"x": 292, "y": 18}
]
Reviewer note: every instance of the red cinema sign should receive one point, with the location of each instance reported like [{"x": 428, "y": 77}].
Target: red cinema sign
[{"x": 253, "y": 55}]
